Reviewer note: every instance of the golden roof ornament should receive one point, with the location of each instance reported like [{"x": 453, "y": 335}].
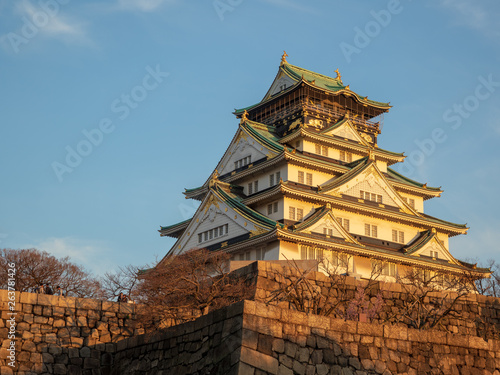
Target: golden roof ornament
[
  {"x": 348, "y": 88},
  {"x": 213, "y": 179},
  {"x": 244, "y": 116},
  {"x": 371, "y": 155},
  {"x": 339, "y": 77},
  {"x": 283, "y": 58}
]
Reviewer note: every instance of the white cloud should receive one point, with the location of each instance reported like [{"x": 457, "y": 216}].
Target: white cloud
[
  {"x": 475, "y": 15},
  {"x": 93, "y": 255},
  {"x": 142, "y": 5},
  {"x": 57, "y": 25}
]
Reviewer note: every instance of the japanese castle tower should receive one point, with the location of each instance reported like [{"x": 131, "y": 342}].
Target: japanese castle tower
[{"x": 304, "y": 178}]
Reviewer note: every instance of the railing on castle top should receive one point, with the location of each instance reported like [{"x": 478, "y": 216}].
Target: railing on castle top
[{"x": 303, "y": 105}]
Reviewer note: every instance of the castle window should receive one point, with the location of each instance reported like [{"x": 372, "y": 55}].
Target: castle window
[
  {"x": 301, "y": 177},
  {"x": 300, "y": 214},
  {"x": 256, "y": 186},
  {"x": 398, "y": 236},
  {"x": 367, "y": 196},
  {"x": 340, "y": 260},
  {"x": 269, "y": 209},
  {"x": 213, "y": 233},
  {"x": 242, "y": 162},
  {"x": 310, "y": 253},
  {"x": 250, "y": 188},
  {"x": 318, "y": 149},
  {"x": 345, "y": 156},
  {"x": 291, "y": 213},
  {"x": 384, "y": 268},
  {"x": 371, "y": 230},
  {"x": 324, "y": 151},
  {"x": 344, "y": 222},
  {"x": 273, "y": 180},
  {"x": 434, "y": 254},
  {"x": 309, "y": 180},
  {"x": 328, "y": 231},
  {"x": 275, "y": 207}
]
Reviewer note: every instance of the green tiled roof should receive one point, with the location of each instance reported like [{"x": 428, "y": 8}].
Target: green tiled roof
[
  {"x": 318, "y": 80},
  {"x": 175, "y": 225},
  {"x": 405, "y": 180},
  {"x": 236, "y": 203},
  {"x": 264, "y": 134},
  {"x": 314, "y": 218},
  {"x": 325, "y": 82}
]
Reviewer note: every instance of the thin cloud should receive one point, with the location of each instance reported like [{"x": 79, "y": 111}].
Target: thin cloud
[
  {"x": 57, "y": 26},
  {"x": 90, "y": 254},
  {"x": 472, "y": 14},
  {"x": 143, "y": 5}
]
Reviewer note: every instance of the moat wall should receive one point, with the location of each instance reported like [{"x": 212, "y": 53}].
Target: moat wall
[
  {"x": 61, "y": 335},
  {"x": 64, "y": 335},
  {"x": 252, "y": 338}
]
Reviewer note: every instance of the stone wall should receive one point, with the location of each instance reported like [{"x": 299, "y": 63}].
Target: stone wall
[
  {"x": 473, "y": 314},
  {"x": 64, "y": 335},
  {"x": 59, "y": 335},
  {"x": 251, "y": 338}
]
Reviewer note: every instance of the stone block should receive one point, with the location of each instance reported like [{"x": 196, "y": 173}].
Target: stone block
[
  {"x": 249, "y": 307},
  {"x": 66, "y": 302},
  {"x": 47, "y": 300},
  {"x": 28, "y": 298},
  {"x": 87, "y": 304},
  {"x": 250, "y": 339},
  {"x": 263, "y": 325},
  {"x": 477, "y": 343},
  {"x": 341, "y": 325},
  {"x": 396, "y": 332},
  {"x": 370, "y": 329}
]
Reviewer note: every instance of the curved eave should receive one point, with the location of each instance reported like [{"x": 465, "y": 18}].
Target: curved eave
[
  {"x": 426, "y": 194},
  {"x": 376, "y": 253},
  {"x": 251, "y": 215},
  {"x": 389, "y": 157},
  {"x": 335, "y": 87},
  {"x": 408, "y": 181},
  {"x": 197, "y": 193},
  {"x": 425, "y": 220},
  {"x": 294, "y": 158},
  {"x": 299, "y": 81},
  {"x": 175, "y": 230}
]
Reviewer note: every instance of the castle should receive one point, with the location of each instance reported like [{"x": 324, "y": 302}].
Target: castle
[{"x": 304, "y": 178}]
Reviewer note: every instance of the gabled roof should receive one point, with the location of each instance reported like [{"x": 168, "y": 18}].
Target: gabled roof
[
  {"x": 300, "y": 75},
  {"x": 408, "y": 181},
  {"x": 325, "y": 214},
  {"x": 174, "y": 230},
  {"x": 219, "y": 195}
]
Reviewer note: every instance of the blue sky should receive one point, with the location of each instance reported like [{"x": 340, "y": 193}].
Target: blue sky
[{"x": 111, "y": 108}]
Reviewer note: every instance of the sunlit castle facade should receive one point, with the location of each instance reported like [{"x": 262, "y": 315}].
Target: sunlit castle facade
[{"x": 304, "y": 178}]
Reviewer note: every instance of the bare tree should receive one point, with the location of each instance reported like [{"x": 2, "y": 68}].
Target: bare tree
[
  {"x": 125, "y": 280},
  {"x": 34, "y": 267},
  {"x": 490, "y": 286},
  {"x": 189, "y": 285},
  {"x": 301, "y": 291},
  {"x": 430, "y": 297}
]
